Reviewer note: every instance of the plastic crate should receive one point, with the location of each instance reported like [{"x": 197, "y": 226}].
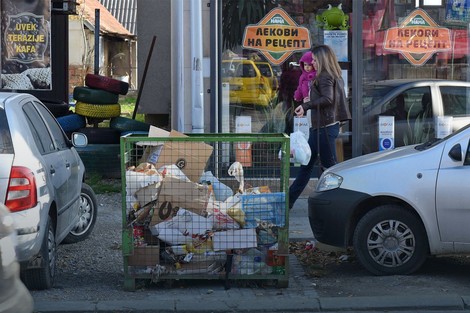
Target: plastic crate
[{"x": 265, "y": 207}]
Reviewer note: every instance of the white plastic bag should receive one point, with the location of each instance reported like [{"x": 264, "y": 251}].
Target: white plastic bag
[
  {"x": 299, "y": 148},
  {"x": 302, "y": 124}
]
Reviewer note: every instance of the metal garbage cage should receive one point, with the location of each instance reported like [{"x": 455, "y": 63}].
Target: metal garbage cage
[{"x": 205, "y": 206}]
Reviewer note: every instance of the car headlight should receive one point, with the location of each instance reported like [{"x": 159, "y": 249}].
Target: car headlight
[{"x": 329, "y": 181}]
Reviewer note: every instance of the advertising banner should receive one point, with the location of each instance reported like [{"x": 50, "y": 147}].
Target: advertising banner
[
  {"x": 417, "y": 38},
  {"x": 26, "y": 45},
  {"x": 276, "y": 36},
  {"x": 338, "y": 40},
  {"x": 444, "y": 126},
  {"x": 243, "y": 153},
  {"x": 386, "y": 132}
]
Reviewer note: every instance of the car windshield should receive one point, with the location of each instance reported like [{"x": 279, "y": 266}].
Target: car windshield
[
  {"x": 6, "y": 144},
  {"x": 435, "y": 141}
]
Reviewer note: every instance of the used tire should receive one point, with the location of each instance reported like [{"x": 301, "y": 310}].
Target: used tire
[
  {"x": 97, "y": 110},
  {"x": 71, "y": 122},
  {"x": 95, "y": 96},
  {"x": 124, "y": 124},
  {"x": 106, "y": 83},
  {"x": 57, "y": 109},
  {"x": 390, "y": 240},
  {"x": 101, "y": 135},
  {"x": 88, "y": 214},
  {"x": 42, "y": 277}
]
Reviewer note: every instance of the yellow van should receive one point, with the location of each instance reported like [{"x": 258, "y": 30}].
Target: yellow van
[{"x": 247, "y": 85}]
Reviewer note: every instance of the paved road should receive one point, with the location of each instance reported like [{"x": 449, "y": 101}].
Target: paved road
[{"x": 343, "y": 287}]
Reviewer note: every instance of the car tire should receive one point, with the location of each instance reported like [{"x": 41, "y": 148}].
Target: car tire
[
  {"x": 106, "y": 83},
  {"x": 390, "y": 240},
  {"x": 42, "y": 276},
  {"x": 88, "y": 214},
  {"x": 101, "y": 135},
  {"x": 71, "y": 122},
  {"x": 124, "y": 124},
  {"x": 57, "y": 109},
  {"x": 97, "y": 110},
  {"x": 95, "y": 96}
]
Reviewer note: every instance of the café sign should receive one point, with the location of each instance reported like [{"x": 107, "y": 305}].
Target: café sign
[
  {"x": 417, "y": 38},
  {"x": 276, "y": 36}
]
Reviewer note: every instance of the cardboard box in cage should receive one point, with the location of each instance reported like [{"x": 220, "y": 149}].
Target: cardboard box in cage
[
  {"x": 267, "y": 207},
  {"x": 144, "y": 256},
  {"x": 177, "y": 193},
  {"x": 235, "y": 239},
  {"x": 190, "y": 156}
]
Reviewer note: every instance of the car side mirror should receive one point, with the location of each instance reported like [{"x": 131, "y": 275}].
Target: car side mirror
[
  {"x": 456, "y": 153},
  {"x": 79, "y": 140}
]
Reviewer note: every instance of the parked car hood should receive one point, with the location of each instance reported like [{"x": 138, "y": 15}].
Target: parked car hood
[{"x": 378, "y": 172}]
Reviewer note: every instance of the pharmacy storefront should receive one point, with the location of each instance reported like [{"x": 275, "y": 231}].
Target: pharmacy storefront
[{"x": 396, "y": 41}]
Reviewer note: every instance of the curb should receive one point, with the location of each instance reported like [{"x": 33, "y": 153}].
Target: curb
[{"x": 257, "y": 304}]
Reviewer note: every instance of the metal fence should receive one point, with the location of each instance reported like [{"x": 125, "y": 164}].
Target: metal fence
[{"x": 205, "y": 206}]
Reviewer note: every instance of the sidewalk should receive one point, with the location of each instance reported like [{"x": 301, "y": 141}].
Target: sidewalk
[{"x": 210, "y": 296}]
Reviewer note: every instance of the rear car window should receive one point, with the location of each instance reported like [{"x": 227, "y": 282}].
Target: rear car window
[{"x": 6, "y": 144}]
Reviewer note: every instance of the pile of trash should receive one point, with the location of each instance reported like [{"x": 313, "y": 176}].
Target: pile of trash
[{"x": 181, "y": 226}]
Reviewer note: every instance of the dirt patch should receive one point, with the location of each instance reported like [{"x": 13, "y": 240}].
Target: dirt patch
[{"x": 339, "y": 274}]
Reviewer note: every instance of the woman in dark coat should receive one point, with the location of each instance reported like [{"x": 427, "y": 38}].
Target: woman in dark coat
[{"x": 329, "y": 107}]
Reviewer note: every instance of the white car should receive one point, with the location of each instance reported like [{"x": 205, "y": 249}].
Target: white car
[
  {"x": 415, "y": 105},
  {"x": 42, "y": 183},
  {"x": 397, "y": 206}
]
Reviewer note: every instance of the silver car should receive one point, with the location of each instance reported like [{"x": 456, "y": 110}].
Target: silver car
[
  {"x": 41, "y": 182},
  {"x": 415, "y": 105},
  {"x": 397, "y": 206}
]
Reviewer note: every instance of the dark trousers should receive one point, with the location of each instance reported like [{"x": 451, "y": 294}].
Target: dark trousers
[{"x": 327, "y": 151}]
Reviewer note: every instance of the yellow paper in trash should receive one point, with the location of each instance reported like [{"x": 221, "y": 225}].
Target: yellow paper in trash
[{"x": 237, "y": 214}]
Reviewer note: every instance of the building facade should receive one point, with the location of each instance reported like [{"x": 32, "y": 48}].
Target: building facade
[{"x": 374, "y": 40}]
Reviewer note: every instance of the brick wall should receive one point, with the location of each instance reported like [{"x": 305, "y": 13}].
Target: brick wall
[{"x": 76, "y": 77}]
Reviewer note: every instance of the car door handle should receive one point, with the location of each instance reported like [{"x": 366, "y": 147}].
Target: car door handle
[
  {"x": 52, "y": 170},
  {"x": 67, "y": 165}
]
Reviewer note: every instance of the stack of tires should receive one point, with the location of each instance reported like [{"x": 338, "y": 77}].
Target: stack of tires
[{"x": 97, "y": 101}]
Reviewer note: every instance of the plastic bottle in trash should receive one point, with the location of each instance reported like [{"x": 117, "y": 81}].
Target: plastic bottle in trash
[{"x": 221, "y": 191}]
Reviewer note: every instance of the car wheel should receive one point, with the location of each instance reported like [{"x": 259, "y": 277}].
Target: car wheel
[
  {"x": 42, "y": 275},
  {"x": 87, "y": 218},
  {"x": 389, "y": 240}
]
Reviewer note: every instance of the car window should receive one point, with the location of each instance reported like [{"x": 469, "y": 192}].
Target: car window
[
  {"x": 56, "y": 130},
  {"x": 467, "y": 155},
  {"x": 246, "y": 70},
  {"x": 39, "y": 130},
  {"x": 264, "y": 69},
  {"x": 372, "y": 95},
  {"x": 410, "y": 105},
  {"x": 455, "y": 100},
  {"x": 6, "y": 144}
]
